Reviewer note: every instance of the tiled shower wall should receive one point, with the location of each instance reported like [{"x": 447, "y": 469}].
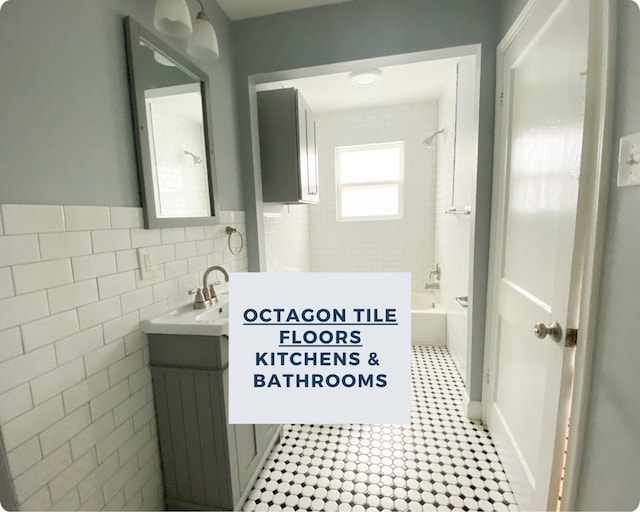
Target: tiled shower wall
[
  {"x": 452, "y": 234},
  {"x": 286, "y": 232},
  {"x": 183, "y": 188},
  {"x": 404, "y": 245},
  {"x": 76, "y": 405}
]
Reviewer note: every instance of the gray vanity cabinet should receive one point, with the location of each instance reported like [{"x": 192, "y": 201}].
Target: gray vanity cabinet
[
  {"x": 288, "y": 153},
  {"x": 207, "y": 463}
]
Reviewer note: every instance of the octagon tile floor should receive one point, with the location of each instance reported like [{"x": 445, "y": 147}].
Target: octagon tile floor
[{"x": 442, "y": 461}]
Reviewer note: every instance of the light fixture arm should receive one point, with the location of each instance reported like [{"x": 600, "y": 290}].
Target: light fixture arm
[
  {"x": 202, "y": 15},
  {"x": 201, "y": 6}
]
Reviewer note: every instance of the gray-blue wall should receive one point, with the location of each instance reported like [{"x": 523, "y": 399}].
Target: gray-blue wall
[
  {"x": 610, "y": 475},
  {"x": 65, "y": 118},
  {"x": 369, "y": 29}
]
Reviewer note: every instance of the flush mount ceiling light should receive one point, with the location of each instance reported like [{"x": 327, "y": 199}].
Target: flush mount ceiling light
[
  {"x": 365, "y": 78},
  {"x": 172, "y": 17}
]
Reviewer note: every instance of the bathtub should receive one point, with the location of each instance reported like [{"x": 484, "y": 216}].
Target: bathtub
[{"x": 428, "y": 320}]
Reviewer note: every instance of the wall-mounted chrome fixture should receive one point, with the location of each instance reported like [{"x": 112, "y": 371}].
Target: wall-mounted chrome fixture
[
  {"x": 459, "y": 211},
  {"x": 429, "y": 140},
  {"x": 172, "y": 17},
  {"x": 230, "y": 232},
  {"x": 196, "y": 159},
  {"x": 436, "y": 272},
  {"x": 463, "y": 301}
]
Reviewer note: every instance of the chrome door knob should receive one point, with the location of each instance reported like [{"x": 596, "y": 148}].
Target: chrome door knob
[{"x": 554, "y": 331}]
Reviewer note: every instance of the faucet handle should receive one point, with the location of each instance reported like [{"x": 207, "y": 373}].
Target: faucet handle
[{"x": 199, "y": 302}]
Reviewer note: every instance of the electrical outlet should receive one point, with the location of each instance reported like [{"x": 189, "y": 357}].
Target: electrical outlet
[
  {"x": 629, "y": 161},
  {"x": 146, "y": 263}
]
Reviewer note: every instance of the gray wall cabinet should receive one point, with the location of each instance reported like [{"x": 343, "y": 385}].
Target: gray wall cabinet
[
  {"x": 207, "y": 463},
  {"x": 288, "y": 155}
]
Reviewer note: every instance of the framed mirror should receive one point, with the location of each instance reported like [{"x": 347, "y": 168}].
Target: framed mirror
[{"x": 170, "y": 99}]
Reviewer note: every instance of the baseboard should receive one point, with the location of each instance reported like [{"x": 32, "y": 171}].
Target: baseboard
[{"x": 471, "y": 408}]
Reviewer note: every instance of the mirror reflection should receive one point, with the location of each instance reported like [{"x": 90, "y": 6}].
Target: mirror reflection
[{"x": 175, "y": 129}]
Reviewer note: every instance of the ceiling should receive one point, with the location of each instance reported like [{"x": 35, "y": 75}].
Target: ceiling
[
  {"x": 239, "y": 9},
  {"x": 405, "y": 83}
]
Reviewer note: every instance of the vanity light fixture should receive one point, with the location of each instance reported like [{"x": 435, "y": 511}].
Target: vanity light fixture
[
  {"x": 365, "y": 78},
  {"x": 172, "y": 17},
  {"x": 637, "y": 2},
  {"x": 203, "y": 43}
]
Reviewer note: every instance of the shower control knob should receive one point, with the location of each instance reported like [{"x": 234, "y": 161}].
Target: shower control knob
[{"x": 554, "y": 331}]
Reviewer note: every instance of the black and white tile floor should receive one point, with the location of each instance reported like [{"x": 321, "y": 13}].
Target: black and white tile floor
[{"x": 442, "y": 461}]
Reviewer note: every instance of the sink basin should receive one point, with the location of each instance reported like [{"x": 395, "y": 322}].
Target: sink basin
[{"x": 213, "y": 321}]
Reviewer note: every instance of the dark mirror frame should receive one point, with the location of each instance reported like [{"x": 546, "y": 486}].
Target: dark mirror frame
[{"x": 133, "y": 33}]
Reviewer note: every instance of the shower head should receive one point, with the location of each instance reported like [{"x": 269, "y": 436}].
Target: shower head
[
  {"x": 429, "y": 140},
  {"x": 196, "y": 159}
]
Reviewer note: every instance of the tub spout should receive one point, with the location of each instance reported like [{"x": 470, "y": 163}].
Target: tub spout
[{"x": 432, "y": 286}]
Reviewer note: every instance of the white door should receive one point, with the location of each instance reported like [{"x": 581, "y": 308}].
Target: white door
[{"x": 538, "y": 150}]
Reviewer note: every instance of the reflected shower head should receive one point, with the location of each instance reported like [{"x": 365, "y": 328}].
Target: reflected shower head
[
  {"x": 196, "y": 159},
  {"x": 429, "y": 140}
]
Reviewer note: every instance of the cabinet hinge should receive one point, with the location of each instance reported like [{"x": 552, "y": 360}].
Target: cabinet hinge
[{"x": 571, "y": 339}]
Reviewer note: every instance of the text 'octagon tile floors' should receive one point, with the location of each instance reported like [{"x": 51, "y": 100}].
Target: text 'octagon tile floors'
[{"x": 442, "y": 461}]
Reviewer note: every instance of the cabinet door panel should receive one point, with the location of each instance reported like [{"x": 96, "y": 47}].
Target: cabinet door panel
[
  {"x": 194, "y": 448},
  {"x": 247, "y": 451}
]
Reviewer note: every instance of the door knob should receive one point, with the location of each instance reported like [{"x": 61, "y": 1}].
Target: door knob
[{"x": 554, "y": 331}]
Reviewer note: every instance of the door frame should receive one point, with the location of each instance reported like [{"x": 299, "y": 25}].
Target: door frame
[{"x": 590, "y": 225}]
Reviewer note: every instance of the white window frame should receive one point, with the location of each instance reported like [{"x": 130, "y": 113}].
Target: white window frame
[{"x": 400, "y": 181}]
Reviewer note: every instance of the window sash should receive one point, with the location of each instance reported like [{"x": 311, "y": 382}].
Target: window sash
[{"x": 396, "y": 180}]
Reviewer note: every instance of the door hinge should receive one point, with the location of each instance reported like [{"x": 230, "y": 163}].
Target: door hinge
[
  {"x": 571, "y": 339},
  {"x": 486, "y": 377},
  {"x": 501, "y": 98}
]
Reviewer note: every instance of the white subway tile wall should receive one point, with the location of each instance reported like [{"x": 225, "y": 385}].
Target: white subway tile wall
[
  {"x": 286, "y": 234},
  {"x": 452, "y": 235},
  {"x": 76, "y": 402},
  {"x": 404, "y": 245}
]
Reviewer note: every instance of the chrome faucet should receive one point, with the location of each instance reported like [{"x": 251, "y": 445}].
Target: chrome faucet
[
  {"x": 437, "y": 272},
  {"x": 208, "y": 290}
]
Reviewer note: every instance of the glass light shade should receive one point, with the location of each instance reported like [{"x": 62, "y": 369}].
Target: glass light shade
[
  {"x": 203, "y": 43},
  {"x": 172, "y": 17},
  {"x": 637, "y": 2},
  {"x": 365, "y": 78}
]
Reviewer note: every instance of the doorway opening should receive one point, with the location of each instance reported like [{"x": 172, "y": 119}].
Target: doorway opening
[{"x": 427, "y": 123}]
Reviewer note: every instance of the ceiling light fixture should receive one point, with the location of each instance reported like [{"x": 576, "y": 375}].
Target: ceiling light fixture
[
  {"x": 172, "y": 17},
  {"x": 365, "y": 78}
]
